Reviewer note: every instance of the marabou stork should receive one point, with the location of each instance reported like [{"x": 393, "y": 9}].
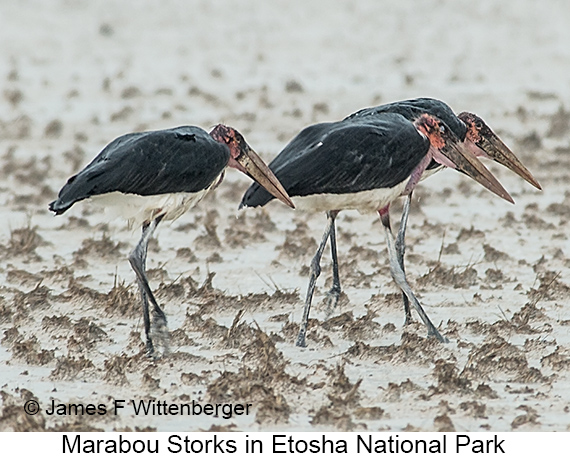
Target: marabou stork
[
  {"x": 364, "y": 164},
  {"x": 476, "y": 136},
  {"x": 157, "y": 176}
]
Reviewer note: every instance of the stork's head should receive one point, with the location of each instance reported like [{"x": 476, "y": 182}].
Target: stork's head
[
  {"x": 437, "y": 132},
  {"x": 244, "y": 159},
  {"x": 482, "y": 141},
  {"x": 448, "y": 150}
]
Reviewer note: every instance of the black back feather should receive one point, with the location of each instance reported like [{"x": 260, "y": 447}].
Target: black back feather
[
  {"x": 345, "y": 157},
  {"x": 182, "y": 159},
  {"x": 414, "y": 108}
]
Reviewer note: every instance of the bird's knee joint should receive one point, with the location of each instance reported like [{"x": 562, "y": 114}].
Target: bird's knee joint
[
  {"x": 335, "y": 289},
  {"x": 397, "y": 274},
  {"x": 315, "y": 269},
  {"x": 134, "y": 256}
]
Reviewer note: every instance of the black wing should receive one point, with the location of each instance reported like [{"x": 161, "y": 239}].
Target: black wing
[
  {"x": 346, "y": 157},
  {"x": 412, "y": 109},
  {"x": 182, "y": 159}
]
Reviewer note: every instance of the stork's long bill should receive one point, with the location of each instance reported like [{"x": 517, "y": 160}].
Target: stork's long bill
[
  {"x": 450, "y": 151},
  {"x": 483, "y": 141},
  {"x": 245, "y": 159}
]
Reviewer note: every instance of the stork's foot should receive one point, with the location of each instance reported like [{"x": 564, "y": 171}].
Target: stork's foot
[
  {"x": 158, "y": 339},
  {"x": 149, "y": 349},
  {"x": 399, "y": 276},
  {"x": 408, "y": 320},
  {"x": 315, "y": 272},
  {"x": 301, "y": 337},
  {"x": 433, "y": 332},
  {"x": 159, "y": 334},
  {"x": 331, "y": 300}
]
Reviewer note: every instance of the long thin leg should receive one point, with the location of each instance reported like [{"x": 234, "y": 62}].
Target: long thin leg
[
  {"x": 334, "y": 293},
  {"x": 401, "y": 250},
  {"x": 315, "y": 272},
  {"x": 400, "y": 277},
  {"x": 155, "y": 326}
]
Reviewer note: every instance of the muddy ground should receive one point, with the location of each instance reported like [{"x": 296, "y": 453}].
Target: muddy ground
[{"x": 492, "y": 276}]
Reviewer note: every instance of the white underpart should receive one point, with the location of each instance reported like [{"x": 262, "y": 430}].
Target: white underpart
[
  {"x": 138, "y": 209},
  {"x": 366, "y": 201}
]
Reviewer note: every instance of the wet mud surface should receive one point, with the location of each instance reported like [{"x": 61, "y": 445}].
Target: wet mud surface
[{"x": 492, "y": 276}]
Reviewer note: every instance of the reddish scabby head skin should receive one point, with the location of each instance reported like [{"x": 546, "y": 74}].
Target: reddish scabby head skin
[
  {"x": 438, "y": 134},
  {"x": 448, "y": 150},
  {"x": 482, "y": 141},
  {"x": 244, "y": 159},
  {"x": 233, "y": 139}
]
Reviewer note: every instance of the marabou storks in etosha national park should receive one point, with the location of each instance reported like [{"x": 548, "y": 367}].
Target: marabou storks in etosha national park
[
  {"x": 365, "y": 162},
  {"x": 475, "y": 135},
  {"x": 157, "y": 176}
]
